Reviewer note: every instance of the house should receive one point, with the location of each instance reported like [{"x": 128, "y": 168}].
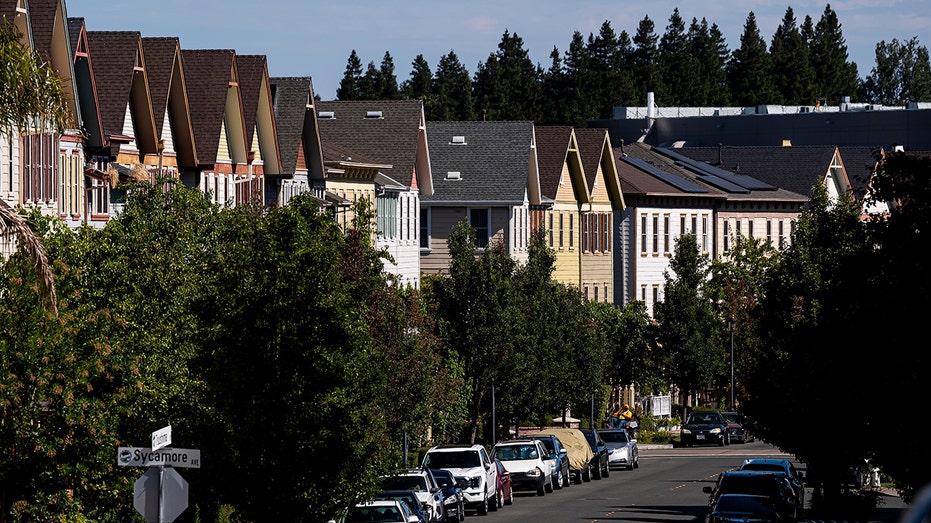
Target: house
[
  {"x": 261, "y": 134},
  {"x": 392, "y": 134},
  {"x": 219, "y": 128},
  {"x": 298, "y": 143},
  {"x": 487, "y": 175}
]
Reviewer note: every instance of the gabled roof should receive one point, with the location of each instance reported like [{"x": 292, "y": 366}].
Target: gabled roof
[
  {"x": 168, "y": 88},
  {"x": 495, "y": 161},
  {"x": 595, "y": 150},
  {"x": 51, "y": 41},
  {"x": 120, "y": 76},
  {"x": 15, "y": 12},
  {"x": 557, "y": 147},
  {"x": 859, "y": 162},
  {"x": 258, "y": 111},
  {"x": 213, "y": 74},
  {"x": 296, "y": 123},
  {"x": 85, "y": 83},
  {"x": 389, "y": 131},
  {"x": 636, "y": 181},
  {"x": 795, "y": 168}
]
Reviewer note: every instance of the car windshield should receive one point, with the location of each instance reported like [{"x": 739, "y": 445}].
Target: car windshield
[
  {"x": 410, "y": 499},
  {"x": 444, "y": 480},
  {"x": 730, "y": 418},
  {"x": 699, "y": 418},
  {"x": 516, "y": 452},
  {"x": 550, "y": 447},
  {"x": 614, "y": 437},
  {"x": 360, "y": 514},
  {"x": 415, "y": 483},
  {"x": 456, "y": 459},
  {"x": 775, "y": 467}
]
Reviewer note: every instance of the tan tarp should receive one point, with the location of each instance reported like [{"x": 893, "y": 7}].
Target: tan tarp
[{"x": 577, "y": 447}]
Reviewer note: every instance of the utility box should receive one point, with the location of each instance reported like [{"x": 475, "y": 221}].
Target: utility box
[{"x": 657, "y": 405}]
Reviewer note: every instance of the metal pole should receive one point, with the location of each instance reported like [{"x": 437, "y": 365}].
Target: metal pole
[
  {"x": 161, "y": 494},
  {"x": 493, "y": 440},
  {"x": 731, "y": 323},
  {"x": 593, "y": 412}
]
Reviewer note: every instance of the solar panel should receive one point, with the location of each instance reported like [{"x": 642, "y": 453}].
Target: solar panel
[
  {"x": 676, "y": 181},
  {"x": 741, "y": 180},
  {"x": 722, "y": 184}
]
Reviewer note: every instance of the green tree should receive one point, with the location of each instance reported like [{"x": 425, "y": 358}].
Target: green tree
[
  {"x": 792, "y": 72},
  {"x": 688, "y": 327},
  {"x": 418, "y": 85},
  {"x": 571, "y": 83},
  {"x": 902, "y": 74},
  {"x": 835, "y": 77},
  {"x": 452, "y": 92},
  {"x": 608, "y": 63},
  {"x": 749, "y": 72},
  {"x": 31, "y": 92},
  {"x": 388, "y": 84},
  {"x": 676, "y": 61},
  {"x": 647, "y": 76},
  {"x": 349, "y": 87},
  {"x": 709, "y": 50},
  {"x": 508, "y": 85},
  {"x": 631, "y": 347}
]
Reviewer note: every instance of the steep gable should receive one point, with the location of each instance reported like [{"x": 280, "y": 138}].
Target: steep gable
[
  {"x": 600, "y": 168},
  {"x": 169, "y": 98},
  {"x": 258, "y": 113},
  {"x": 558, "y": 150},
  {"x": 85, "y": 84},
  {"x": 216, "y": 100},
  {"x": 51, "y": 40},
  {"x": 296, "y": 125}
]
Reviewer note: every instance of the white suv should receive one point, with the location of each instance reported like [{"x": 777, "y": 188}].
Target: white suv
[
  {"x": 528, "y": 462},
  {"x": 473, "y": 469}
]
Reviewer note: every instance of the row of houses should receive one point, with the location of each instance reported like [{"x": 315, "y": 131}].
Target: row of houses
[{"x": 145, "y": 107}]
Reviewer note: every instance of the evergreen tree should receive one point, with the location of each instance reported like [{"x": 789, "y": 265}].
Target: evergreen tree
[
  {"x": 508, "y": 85},
  {"x": 388, "y": 85},
  {"x": 349, "y": 88},
  {"x": 647, "y": 75},
  {"x": 678, "y": 67},
  {"x": 555, "y": 100},
  {"x": 577, "y": 75},
  {"x": 749, "y": 72},
  {"x": 835, "y": 77},
  {"x": 607, "y": 65},
  {"x": 792, "y": 73},
  {"x": 452, "y": 91},
  {"x": 420, "y": 83},
  {"x": 370, "y": 84},
  {"x": 902, "y": 74},
  {"x": 707, "y": 47}
]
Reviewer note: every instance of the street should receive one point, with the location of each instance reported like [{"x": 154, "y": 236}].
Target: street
[{"x": 666, "y": 487}]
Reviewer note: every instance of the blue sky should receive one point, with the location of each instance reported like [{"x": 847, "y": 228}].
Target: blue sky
[{"x": 314, "y": 38}]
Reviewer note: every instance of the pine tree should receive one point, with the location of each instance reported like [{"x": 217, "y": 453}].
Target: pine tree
[
  {"x": 370, "y": 84},
  {"x": 451, "y": 91},
  {"x": 388, "y": 86},
  {"x": 792, "y": 72},
  {"x": 607, "y": 65},
  {"x": 508, "y": 84},
  {"x": 678, "y": 67},
  {"x": 647, "y": 76},
  {"x": 749, "y": 71},
  {"x": 349, "y": 88},
  {"x": 418, "y": 86},
  {"x": 835, "y": 77},
  {"x": 707, "y": 47},
  {"x": 577, "y": 68}
]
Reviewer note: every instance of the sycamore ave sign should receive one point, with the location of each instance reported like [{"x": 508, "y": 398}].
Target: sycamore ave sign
[{"x": 166, "y": 457}]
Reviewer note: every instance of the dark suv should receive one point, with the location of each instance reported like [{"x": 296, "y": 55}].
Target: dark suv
[
  {"x": 561, "y": 455},
  {"x": 600, "y": 467},
  {"x": 774, "y": 485},
  {"x": 704, "y": 427}
]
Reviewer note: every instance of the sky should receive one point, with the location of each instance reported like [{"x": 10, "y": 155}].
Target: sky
[{"x": 315, "y": 38}]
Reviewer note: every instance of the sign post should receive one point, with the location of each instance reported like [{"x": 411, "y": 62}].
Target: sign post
[{"x": 161, "y": 494}]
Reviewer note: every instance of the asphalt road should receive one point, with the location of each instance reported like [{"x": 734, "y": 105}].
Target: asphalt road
[{"x": 666, "y": 487}]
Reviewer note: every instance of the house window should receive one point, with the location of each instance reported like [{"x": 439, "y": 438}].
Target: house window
[
  {"x": 586, "y": 291},
  {"x": 643, "y": 234},
  {"x": 479, "y": 220},
  {"x": 666, "y": 234},
  {"x": 586, "y": 227},
  {"x": 643, "y": 294},
  {"x": 727, "y": 238},
  {"x": 782, "y": 238},
  {"x": 694, "y": 229},
  {"x": 750, "y": 228},
  {"x": 596, "y": 293},
  {"x": 552, "y": 232},
  {"x": 425, "y": 228},
  {"x": 607, "y": 231},
  {"x": 561, "y": 241},
  {"x": 739, "y": 221},
  {"x": 769, "y": 231},
  {"x": 606, "y": 292},
  {"x": 681, "y": 225},
  {"x": 655, "y": 234},
  {"x": 40, "y": 167},
  {"x": 704, "y": 234},
  {"x": 571, "y": 231},
  {"x": 386, "y": 216},
  {"x": 655, "y": 294}
]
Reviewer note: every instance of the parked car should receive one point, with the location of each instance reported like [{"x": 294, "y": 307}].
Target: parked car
[
  {"x": 528, "y": 462},
  {"x": 774, "y": 485},
  {"x": 795, "y": 476},
  {"x": 580, "y": 452},
  {"x": 473, "y": 468},
  {"x": 600, "y": 468},
  {"x": 733, "y": 508},
  {"x": 422, "y": 482},
  {"x": 384, "y": 510},
  {"x": 703, "y": 427},
  {"x": 407, "y": 496},
  {"x": 453, "y": 497},
  {"x": 560, "y": 456},
  {"x": 736, "y": 431},
  {"x": 505, "y": 485},
  {"x": 622, "y": 449}
]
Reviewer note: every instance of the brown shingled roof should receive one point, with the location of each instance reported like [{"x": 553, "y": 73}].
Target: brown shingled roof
[
  {"x": 208, "y": 72},
  {"x": 552, "y": 148}
]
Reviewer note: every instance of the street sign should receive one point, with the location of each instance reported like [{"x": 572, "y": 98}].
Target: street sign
[
  {"x": 146, "y": 457},
  {"x": 161, "y": 438},
  {"x": 160, "y": 495}
]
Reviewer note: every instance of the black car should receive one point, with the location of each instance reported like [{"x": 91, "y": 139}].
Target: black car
[
  {"x": 600, "y": 468},
  {"x": 559, "y": 453},
  {"x": 704, "y": 427},
  {"x": 453, "y": 498},
  {"x": 773, "y": 485}
]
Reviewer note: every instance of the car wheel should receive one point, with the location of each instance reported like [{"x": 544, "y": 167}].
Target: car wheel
[
  {"x": 558, "y": 481},
  {"x": 566, "y": 479},
  {"x": 607, "y": 471},
  {"x": 587, "y": 474},
  {"x": 483, "y": 507},
  {"x": 596, "y": 474},
  {"x": 721, "y": 442},
  {"x": 510, "y": 499},
  {"x": 637, "y": 463},
  {"x": 494, "y": 503}
]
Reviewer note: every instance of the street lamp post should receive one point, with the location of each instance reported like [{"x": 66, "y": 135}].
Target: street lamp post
[{"x": 731, "y": 324}]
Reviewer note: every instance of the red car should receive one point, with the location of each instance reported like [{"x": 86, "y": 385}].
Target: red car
[{"x": 505, "y": 487}]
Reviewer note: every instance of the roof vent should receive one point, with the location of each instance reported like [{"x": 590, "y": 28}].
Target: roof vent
[
  {"x": 326, "y": 115},
  {"x": 453, "y": 175},
  {"x": 373, "y": 114},
  {"x": 458, "y": 140}
]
